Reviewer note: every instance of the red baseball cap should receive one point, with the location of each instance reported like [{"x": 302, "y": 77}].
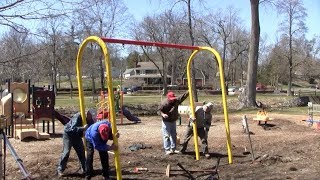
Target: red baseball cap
[
  {"x": 104, "y": 131},
  {"x": 171, "y": 96}
]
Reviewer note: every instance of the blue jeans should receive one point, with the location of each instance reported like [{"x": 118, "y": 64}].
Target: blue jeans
[
  {"x": 77, "y": 144},
  {"x": 169, "y": 133}
]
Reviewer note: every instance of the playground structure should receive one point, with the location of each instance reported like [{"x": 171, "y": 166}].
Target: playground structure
[
  {"x": 104, "y": 109},
  {"x": 22, "y": 120},
  {"x": 18, "y": 120},
  {"x": 313, "y": 110},
  {"x": 102, "y": 43},
  {"x": 25, "y": 107}
]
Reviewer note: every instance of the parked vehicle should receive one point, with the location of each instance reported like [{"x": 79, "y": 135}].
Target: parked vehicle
[
  {"x": 261, "y": 87},
  {"x": 134, "y": 88},
  {"x": 233, "y": 89}
]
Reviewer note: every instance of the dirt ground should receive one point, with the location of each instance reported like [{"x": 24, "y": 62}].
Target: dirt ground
[{"x": 286, "y": 148}]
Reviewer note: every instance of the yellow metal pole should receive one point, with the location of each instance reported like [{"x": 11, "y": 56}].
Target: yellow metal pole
[
  {"x": 225, "y": 110},
  {"x": 110, "y": 94},
  {"x": 79, "y": 79},
  {"x": 224, "y": 100},
  {"x": 195, "y": 132}
]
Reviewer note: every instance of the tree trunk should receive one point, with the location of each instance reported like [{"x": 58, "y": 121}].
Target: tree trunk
[
  {"x": 193, "y": 72},
  {"x": 289, "y": 92},
  {"x": 248, "y": 96},
  {"x": 71, "y": 85}
]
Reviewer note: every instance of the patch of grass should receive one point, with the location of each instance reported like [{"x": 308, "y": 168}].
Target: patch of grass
[
  {"x": 65, "y": 101},
  {"x": 292, "y": 110}
]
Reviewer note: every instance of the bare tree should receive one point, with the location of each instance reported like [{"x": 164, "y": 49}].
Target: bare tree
[
  {"x": 166, "y": 27},
  {"x": 223, "y": 31},
  {"x": 17, "y": 14},
  {"x": 70, "y": 48},
  {"x": 293, "y": 25},
  {"x": 102, "y": 18},
  {"x": 248, "y": 96},
  {"x": 16, "y": 52}
]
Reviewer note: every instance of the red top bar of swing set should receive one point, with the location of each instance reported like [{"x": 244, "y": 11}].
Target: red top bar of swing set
[{"x": 146, "y": 43}]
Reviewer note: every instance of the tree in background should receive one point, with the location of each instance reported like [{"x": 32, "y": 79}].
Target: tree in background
[
  {"x": 248, "y": 96},
  {"x": 69, "y": 56},
  {"x": 291, "y": 26},
  {"x": 166, "y": 27},
  {"x": 102, "y": 18},
  {"x": 132, "y": 59}
]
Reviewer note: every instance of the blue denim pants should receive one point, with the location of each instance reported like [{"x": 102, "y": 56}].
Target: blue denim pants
[
  {"x": 77, "y": 144},
  {"x": 169, "y": 133}
]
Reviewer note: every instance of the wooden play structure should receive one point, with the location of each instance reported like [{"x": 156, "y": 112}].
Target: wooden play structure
[{"x": 22, "y": 118}]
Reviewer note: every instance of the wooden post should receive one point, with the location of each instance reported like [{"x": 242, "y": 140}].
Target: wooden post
[{"x": 248, "y": 132}]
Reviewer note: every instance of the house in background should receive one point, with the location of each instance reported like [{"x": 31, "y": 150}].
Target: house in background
[
  {"x": 146, "y": 72},
  {"x": 200, "y": 78}
]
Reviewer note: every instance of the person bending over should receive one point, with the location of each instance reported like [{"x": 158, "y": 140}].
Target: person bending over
[{"x": 203, "y": 118}]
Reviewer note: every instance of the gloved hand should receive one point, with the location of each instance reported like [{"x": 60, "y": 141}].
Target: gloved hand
[
  {"x": 85, "y": 127},
  {"x": 164, "y": 115},
  {"x": 191, "y": 120},
  {"x": 117, "y": 134},
  {"x": 113, "y": 147}
]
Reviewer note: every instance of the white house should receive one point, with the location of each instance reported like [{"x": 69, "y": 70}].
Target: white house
[{"x": 146, "y": 71}]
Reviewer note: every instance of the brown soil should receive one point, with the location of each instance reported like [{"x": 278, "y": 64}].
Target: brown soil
[{"x": 286, "y": 148}]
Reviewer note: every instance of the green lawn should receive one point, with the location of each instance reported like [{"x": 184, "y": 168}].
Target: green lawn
[{"x": 65, "y": 101}]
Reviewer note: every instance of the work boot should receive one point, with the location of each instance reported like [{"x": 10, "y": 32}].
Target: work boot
[
  {"x": 60, "y": 173},
  {"x": 107, "y": 178},
  {"x": 183, "y": 149}
]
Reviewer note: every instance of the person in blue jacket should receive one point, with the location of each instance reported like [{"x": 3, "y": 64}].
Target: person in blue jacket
[
  {"x": 97, "y": 136},
  {"x": 72, "y": 137}
]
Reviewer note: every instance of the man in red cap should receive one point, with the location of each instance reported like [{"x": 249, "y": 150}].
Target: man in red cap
[
  {"x": 169, "y": 113},
  {"x": 97, "y": 136}
]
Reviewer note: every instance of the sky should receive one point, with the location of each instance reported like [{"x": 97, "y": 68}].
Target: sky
[{"x": 268, "y": 16}]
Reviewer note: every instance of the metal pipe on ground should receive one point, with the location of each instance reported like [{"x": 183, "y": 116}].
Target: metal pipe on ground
[
  {"x": 169, "y": 170},
  {"x": 19, "y": 161}
]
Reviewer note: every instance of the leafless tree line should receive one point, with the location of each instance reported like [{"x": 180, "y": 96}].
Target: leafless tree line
[{"x": 47, "y": 51}]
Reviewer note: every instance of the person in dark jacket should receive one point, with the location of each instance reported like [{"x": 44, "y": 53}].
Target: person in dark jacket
[
  {"x": 169, "y": 113},
  {"x": 97, "y": 136},
  {"x": 203, "y": 118},
  {"x": 72, "y": 137}
]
